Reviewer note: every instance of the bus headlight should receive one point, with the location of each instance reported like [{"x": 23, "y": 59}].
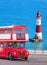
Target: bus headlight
[
  {"x": 15, "y": 53},
  {"x": 27, "y": 53}
]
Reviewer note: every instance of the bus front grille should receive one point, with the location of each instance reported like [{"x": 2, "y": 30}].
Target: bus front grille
[{"x": 21, "y": 54}]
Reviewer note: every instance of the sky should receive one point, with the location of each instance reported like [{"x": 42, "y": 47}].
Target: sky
[{"x": 23, "y": 12}]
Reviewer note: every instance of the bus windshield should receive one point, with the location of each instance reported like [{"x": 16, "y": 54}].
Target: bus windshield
[{"x": 17, "y": 45}]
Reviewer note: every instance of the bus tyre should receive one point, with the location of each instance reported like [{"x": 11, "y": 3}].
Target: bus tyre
[
  {"x": 10, "y": 56},
  {"x": 26, "y": 58}
]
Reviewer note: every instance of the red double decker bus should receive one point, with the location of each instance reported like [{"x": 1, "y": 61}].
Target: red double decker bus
[
  {"x": 12, "y": 42},
  {"x": 15, "y": 33}
]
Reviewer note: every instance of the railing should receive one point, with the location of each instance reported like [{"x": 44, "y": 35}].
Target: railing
[{"x": 38, "y": 52}]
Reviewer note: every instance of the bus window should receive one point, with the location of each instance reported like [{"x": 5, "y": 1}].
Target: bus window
[
  {"x": 22, "y": 45},
  {"x": 16, "y": 31},
  {"x": 24, "y": 31},
  {"x": 10, "y": 44},
  {"x": 10, "y": 31},
  {"x": 5, "y": 31},
  {"x": 16, "y": 45},
  {"x": 1, "y": 31},
  {"x": 4, "y": 45},
  {"x": 1, "y": 44}
]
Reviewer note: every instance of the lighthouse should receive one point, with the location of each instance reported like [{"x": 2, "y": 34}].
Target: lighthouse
[
  {"x": 38, "y": 33},
  {"x": 38, "y": 26}
]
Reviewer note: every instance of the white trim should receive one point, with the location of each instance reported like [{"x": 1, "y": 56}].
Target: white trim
[
  {"x": 14, "y": 36},
  {"x": 5, "y": 36},
  {"x": 38, "y": 22},
  {"x": 26, "y": 36},
  {"x": 44, "y": 52},
  {"x": 39, "y": 35},
  {"x": 6, "y": 26}
]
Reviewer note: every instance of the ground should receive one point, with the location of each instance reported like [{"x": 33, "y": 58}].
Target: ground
[{"x": 32, "y": 60}]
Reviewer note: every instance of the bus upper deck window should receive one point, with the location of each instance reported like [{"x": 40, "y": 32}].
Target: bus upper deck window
[
  {"x": 1, "y": 31},
  {"x": 16, "y": 31},
  {"x": 10, "y": 30},
  {"x": 24, "y": 31},
  {"x": 5, "y": 31}
]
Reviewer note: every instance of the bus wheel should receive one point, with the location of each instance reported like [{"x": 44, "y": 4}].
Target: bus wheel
[
  {"x": 10, "y": 56},
  {"x": 26, "y": 58}
]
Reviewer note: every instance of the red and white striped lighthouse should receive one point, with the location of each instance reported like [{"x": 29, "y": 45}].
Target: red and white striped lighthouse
[
  {"x": 38, "y": 34},
  {"x": 38, "y": 26}
]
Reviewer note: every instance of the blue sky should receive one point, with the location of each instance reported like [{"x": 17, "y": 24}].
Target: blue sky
[
  {"x": 23, "y": 12},
  {"x": 19, "y": 11}
]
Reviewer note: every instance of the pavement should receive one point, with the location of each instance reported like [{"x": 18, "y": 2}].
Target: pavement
[{"x": 34, "y": 59}]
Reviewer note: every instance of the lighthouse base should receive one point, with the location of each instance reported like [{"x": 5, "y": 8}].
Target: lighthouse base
[{"x": 36, "y": 39}]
